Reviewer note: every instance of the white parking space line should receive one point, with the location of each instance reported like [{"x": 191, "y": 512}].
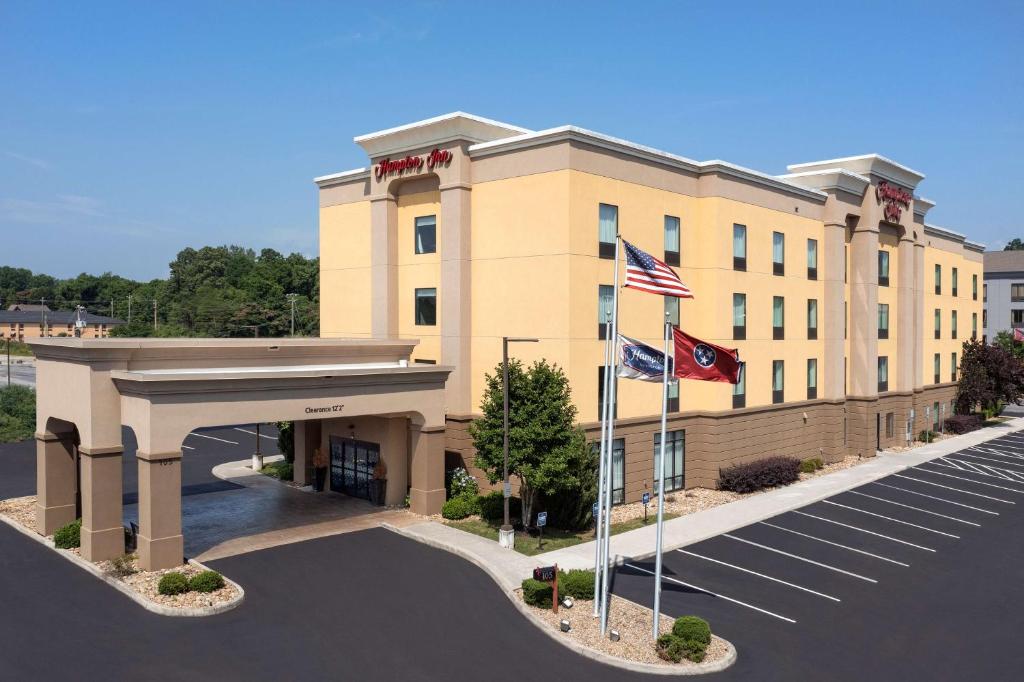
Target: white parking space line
[
  {"x": 907, "y": 506},
  {"x": 835, "y": 544},
  {"x": 1013, "y": 457},
  {"x": 222, "y": 440},
  {"x": 713, "y": 594},
  {"x": 253, "y": 433},
  {"x": 889, "y": 518},
  {"x": 800, "y": 558},
  {"x": 188, "y": 447},
  {"x": 969, "y": 480},
  {"x": 864, "y": 530},
  {"x": 939, "y": 499},
  {"x": 949, "y": 487},
  {"x": 760, "y": 575},
  {"x": 988, "y": 458},
  {"x": 970, "y": 467}
]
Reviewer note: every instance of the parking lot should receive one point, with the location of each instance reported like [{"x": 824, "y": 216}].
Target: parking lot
[{"x": 913, "y": 576}]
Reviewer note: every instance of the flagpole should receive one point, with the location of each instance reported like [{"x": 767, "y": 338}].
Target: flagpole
[
  {"x": 611, "y": 440},
  {"x": 661, "y": 483},
  {"x": 608, "y": 349}
]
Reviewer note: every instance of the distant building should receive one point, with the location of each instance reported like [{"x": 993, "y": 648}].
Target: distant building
[
  {"x": 34, "y": 320},
  {"x": 1003, "y": 292}
]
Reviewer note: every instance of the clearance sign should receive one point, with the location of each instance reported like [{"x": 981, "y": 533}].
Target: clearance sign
[{"x": 413, "y": 164}]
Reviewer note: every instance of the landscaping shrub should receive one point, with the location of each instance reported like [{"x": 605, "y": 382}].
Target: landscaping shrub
[
  {"x": 123, "y": 565},
  {"x": 963, "y": 423},
  {"x": 281, "y": 470},
  {"x": 69, "y": 536},
  {"x": 207, "y": 581},
  {"x": 172, "y": 583},
  {"x": 537, "y": 593},
  {"x": 765, "y": 473},
  {"x": 692, "y": 628},
  {"x": 17, "y": 413},
  {"x": 809, "y": 466},
  {"x": 671, "y": 648},
  {"x": 571, "y": 508},
  {"x": 459, "y": 508},
  {"x": 577, "y": 583},
  {"x": 926, "y": 436},
  {"x": 462, "y": 484},
  {"x": 492, "y": 509}
]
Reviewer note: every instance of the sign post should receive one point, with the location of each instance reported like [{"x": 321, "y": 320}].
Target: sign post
[
  {"x": 646, "y": 499},
  {"x": 549, "y": 574},
  {"x": 542, "y": 520}
]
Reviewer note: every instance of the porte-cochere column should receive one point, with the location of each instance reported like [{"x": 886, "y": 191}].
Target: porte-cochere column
[
  {"x": 161, "y": 544},
  {"x": 55, "y": 480}
]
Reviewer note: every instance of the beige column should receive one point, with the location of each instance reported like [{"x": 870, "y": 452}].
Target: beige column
[
  {"x": 426, "y": 494},
  {"x": 905, "y": 332},
  {"x": 456, "y": 283},
  {"x": 55, "y": 481},
  {"x": 920, "y": 422},
  {"x": 102, "y": 513},
  {"x": 863, "y": 394},
  {"x": 161, "y": 544},
  {"x": 832, "y": 309},
  {"x": 384, "y": 268},
  {"x": 307, "y": 438}
]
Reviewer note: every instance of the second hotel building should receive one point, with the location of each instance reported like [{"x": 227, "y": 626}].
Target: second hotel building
[{"x": 847, "y": 307}]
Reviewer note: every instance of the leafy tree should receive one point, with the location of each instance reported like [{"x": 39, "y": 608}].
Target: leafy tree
[
  {"x": 989, "y": 374},
  {"x": 545, "y": 444},
  {"x": 1014, "y": 244},
  {"x": 1005, "y": 341}
]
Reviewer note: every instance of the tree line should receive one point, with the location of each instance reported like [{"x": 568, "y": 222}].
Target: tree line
[{"x": 215, "y": 291}]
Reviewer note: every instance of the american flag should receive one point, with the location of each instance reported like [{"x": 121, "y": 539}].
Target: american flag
[{"x": 647, "y": 273}]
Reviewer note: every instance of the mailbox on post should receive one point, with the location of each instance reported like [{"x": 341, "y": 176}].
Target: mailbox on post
[{"x": 549, "y": 574}]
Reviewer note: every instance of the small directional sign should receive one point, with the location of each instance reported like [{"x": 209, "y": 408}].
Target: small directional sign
[
  {"x": 542, "y": 519},
  {"x": 594, "y": 511},
  {"x": 508, "y": 489},
  {"x": 646, "y": 498}
]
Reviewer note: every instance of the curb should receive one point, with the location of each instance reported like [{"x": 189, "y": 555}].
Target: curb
[
  {"x": 189, "y": 612},
  {"x": 594, "y": 654}
]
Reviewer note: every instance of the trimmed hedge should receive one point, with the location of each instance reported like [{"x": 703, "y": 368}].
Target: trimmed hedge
[
  {"x": 692, "y": 628},
  {"x": 689, "y": 639},
  {"x": 764, "y": 473},
  {"x": 809, "y": 466},
  {"x": 207, "y": 581},
  {"x": 172, "y": 583},
  {"x": 491, "y": 507},
  {"x": 460, "y": 507},
  {"x": 537, "y": 593},
  {"x": 577, "y": 583},
  {"x": 69, "y": 536},
  {"x": 926, "y": 436},
  {"x": 963, "y": 423}
]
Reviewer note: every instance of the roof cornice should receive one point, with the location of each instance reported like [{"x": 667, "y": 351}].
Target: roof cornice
[
  {"x": 832, "y": 179},
  {"x": 922, "y": 206},
  {"x": 435, "y": 131},
  {"x": 866, "y": 164},
  {"x": 342, "y": 177}
]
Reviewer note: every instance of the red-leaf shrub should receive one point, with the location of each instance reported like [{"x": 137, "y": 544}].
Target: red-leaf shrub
[
  {"x": 764, "y": 473},
  {"x": 963, "y": 423}
]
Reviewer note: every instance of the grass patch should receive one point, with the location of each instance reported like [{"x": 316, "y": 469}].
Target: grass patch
[
  {"x": 526, "y": 543},
  {"x": 281, "y": 470},
  {"x": 18, "y": 348},
  {"x": 995, "y": 421}
]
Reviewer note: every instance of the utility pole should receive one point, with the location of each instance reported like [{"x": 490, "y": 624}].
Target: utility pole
[
  {"x": 291, "y": 298},
  {"x": 111, "y": 308},
  {"x": 8, "y": 362},
  {"x": 154, "y": 313},
  {"x": 129, "y": 308}
]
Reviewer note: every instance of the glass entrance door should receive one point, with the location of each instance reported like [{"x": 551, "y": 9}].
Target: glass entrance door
[{"x": 352, "y": 464}]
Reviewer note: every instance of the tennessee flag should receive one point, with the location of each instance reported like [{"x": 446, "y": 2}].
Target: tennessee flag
[
  {"x": 1018, "y": 335},
  {"x": 696, "y": 359}
]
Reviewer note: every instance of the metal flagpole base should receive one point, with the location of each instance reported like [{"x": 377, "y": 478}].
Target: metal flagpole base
[{"x": 507, "y": 537}]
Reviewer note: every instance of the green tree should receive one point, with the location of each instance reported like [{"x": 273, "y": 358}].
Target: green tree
[
  {"x": 1014, "y": 244},
  {"x": 989, "y": 374},
  {"x": 545, "y": 443},
  {"x": 1005, "y": 341}
]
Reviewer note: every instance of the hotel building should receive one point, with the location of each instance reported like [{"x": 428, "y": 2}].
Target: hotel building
[{"x": 847, "y": 307}]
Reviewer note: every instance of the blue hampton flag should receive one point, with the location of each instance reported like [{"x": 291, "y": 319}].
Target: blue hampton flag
[{"x": 640, "y": 361}]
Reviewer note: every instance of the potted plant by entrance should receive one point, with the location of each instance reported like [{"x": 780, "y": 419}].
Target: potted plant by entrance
[
  {"x": 379, "y": 484},
  {"x": 319, "y": 469}
]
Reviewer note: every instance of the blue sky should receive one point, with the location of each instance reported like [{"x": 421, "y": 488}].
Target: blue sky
[{"x": 131, "y": 130}]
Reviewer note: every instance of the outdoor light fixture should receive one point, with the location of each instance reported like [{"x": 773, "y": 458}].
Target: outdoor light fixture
[
  {"x": 614, "y": 635},
  {"x": 564, "y": 625},
  {"x": 567, "y": 602}
]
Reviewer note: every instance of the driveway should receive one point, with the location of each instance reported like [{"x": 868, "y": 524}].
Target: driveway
[{"x": 914, "y": 576}]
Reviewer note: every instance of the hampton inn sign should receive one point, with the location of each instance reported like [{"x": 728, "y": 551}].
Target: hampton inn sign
[
  {"x": 436, "y": 157},
  {"x": 893, "y": 199}
]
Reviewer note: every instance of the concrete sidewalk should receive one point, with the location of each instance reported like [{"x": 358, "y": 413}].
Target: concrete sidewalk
[{"x": 686, "y": 530}]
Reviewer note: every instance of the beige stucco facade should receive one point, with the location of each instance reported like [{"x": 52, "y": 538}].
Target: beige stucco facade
[
  {"x": 163, "y": 389},
  {"x": 518, "y": 254}
]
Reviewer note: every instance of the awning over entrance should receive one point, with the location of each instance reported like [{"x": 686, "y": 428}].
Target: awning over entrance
[{"x": 165, "y": 388}]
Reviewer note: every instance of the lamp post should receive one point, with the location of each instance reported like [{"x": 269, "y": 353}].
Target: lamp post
[
  {"x": 506, "y": 536},
  {"x": 291, "y": 299}
]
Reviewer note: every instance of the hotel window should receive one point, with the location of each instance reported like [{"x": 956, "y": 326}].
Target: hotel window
[
  {"x": 812, "y": 378},
  {"x": 935, "y": 416},
  {"x": 739, "y": 317},
  {"x": 605, "y": 300},
  {"x": 974, "y": 325},
  {"x": 739, "y": 389},
  {"x": 778, "y": 318},
  {"x": 890, "y": 425},
  {"x": 984, "y": 293},
  {"x": 845, "y": 321},
  {"x": 812, "y": 259},
  {"x": 600, "y": 395},
  {"x": 675, "y": 459},
  {"x": 618, "y": 471},
  {"x": 883, "y": 374},
  {"x": 938, "y": 278},
  {"x": 424, "y": 361},
  {"x": 426, "y": 234},
  {"x": 938, "y": 323},
  {"x": 778, "y": 381},
  {"x": 778, "y": 253},
  {"x": 607, "y": 228},
  {"x": 883, "y": 268},
  {"x": 953, "y": 282},
  {"x": 672, "y": 309},
  {"x": 739, "y": 247},
  {"x": 812, "y": 318},
  {"x": 1016, "y": 292},
  {"x": 937, "y": 362},
  {"x": 952, "y": 366},
  {"x": 952, "y": 323},
  {"x": 1016, "y": 318},
  {"x": 984, "y": 318},
  {"x": 671, "y": 240},
  {"x": 426, "y": 307},
  {"x": 673, "y": 396},
  {"x": 883, "y": 320},
  {"x": 974, "y": 287}
]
